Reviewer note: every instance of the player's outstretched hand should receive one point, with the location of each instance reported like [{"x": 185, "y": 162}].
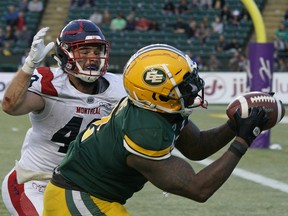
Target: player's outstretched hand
[
  {"x": 249, "y": 128},
  {"x": 37, "y": 52}
]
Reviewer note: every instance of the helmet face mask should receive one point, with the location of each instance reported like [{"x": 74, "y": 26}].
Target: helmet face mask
[
  {"x": 161, "y": 78},
  {"x": 82, "y": 50},
  {"x": 87, "y": 57},
  {"x": 189, "y": 88}
]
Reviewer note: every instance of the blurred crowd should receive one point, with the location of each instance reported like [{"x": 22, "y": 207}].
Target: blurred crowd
[
  {"x": 14, "y": 31},
  {"x": 193, "y": 29},
  {"x": 281, "y": 45}
]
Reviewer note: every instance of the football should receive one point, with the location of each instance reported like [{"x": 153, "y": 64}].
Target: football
[{"x": 274, "y": 107}]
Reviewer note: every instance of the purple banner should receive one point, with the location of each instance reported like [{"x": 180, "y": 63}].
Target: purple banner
[
  {"x": 260, "y": 79},
  {"x": 262, "y": 141}
]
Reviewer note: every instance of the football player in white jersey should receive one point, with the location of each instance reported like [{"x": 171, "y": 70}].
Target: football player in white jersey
[{"x": 61, "y": 102}]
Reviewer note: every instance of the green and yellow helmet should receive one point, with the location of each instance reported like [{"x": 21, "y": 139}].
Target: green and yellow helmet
[{"x": 161, "y": 78}]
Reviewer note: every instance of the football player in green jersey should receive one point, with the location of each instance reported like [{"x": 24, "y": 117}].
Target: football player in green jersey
[{"x": 118, "y": 154}]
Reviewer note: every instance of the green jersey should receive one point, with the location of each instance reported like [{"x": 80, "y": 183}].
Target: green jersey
[{"x": 96, "y": 160}]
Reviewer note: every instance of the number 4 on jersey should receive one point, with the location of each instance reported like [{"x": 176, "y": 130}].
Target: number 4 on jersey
[{"x": 68, "y": 133}]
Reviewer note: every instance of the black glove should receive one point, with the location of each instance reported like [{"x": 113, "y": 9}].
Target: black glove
[
  {"x": 249, "y": 128},
  {"x": 231, "y": 125}
]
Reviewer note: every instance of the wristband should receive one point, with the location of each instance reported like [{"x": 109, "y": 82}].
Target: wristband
[
  {"x": 28, "y": 67},
  {"x": 237, "y": 148}
]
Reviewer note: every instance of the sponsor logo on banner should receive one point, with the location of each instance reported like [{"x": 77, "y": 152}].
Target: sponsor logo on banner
[{"x": 5, "y": 78}]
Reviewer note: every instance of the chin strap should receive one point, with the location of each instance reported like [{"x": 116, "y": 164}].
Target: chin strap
[
  {"x": 200, "y": 102},
  {"x": 57, "y": 60}
]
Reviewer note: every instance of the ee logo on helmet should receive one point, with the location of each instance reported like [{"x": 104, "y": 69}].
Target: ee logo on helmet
[{"x": 154, "y": 77}]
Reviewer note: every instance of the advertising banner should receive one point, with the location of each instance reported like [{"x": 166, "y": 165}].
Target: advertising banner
[
  {"x": 220, "y": 87},
  {"x": 5, "y": 78}
]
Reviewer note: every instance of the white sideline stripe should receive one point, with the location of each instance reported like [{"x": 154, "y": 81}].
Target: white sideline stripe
[
  {"x": 284, "y": 120},
  {"x": 272, "y": 183}
]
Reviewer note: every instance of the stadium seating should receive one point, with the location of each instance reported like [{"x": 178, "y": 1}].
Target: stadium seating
[
  {"x": 18, "y": 48},
  {"x": 127, "y": 42},
  {"x": 124, "y": 43}
]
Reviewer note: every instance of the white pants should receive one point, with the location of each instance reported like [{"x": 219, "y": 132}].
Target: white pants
[{"x": 23, "y": 199}]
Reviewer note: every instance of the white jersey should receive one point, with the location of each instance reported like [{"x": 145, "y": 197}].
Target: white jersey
[{"x": 67, "y": 112}]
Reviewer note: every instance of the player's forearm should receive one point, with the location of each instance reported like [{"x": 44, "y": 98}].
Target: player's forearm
[
  {"x": 212, "y": 177},
  {"x": 175, "y": 175},
  {"x": 205, "y": 143},
  {"x": 15, "y": 93},
  {"x": 201, "y": 186},
  {"x": 214, "y": 139}
]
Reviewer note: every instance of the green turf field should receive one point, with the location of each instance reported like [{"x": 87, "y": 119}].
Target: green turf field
[{"x": 238, "y": 196}]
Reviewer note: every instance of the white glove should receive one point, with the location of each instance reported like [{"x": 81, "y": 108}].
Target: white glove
[{"x": 37, "y": 52}]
